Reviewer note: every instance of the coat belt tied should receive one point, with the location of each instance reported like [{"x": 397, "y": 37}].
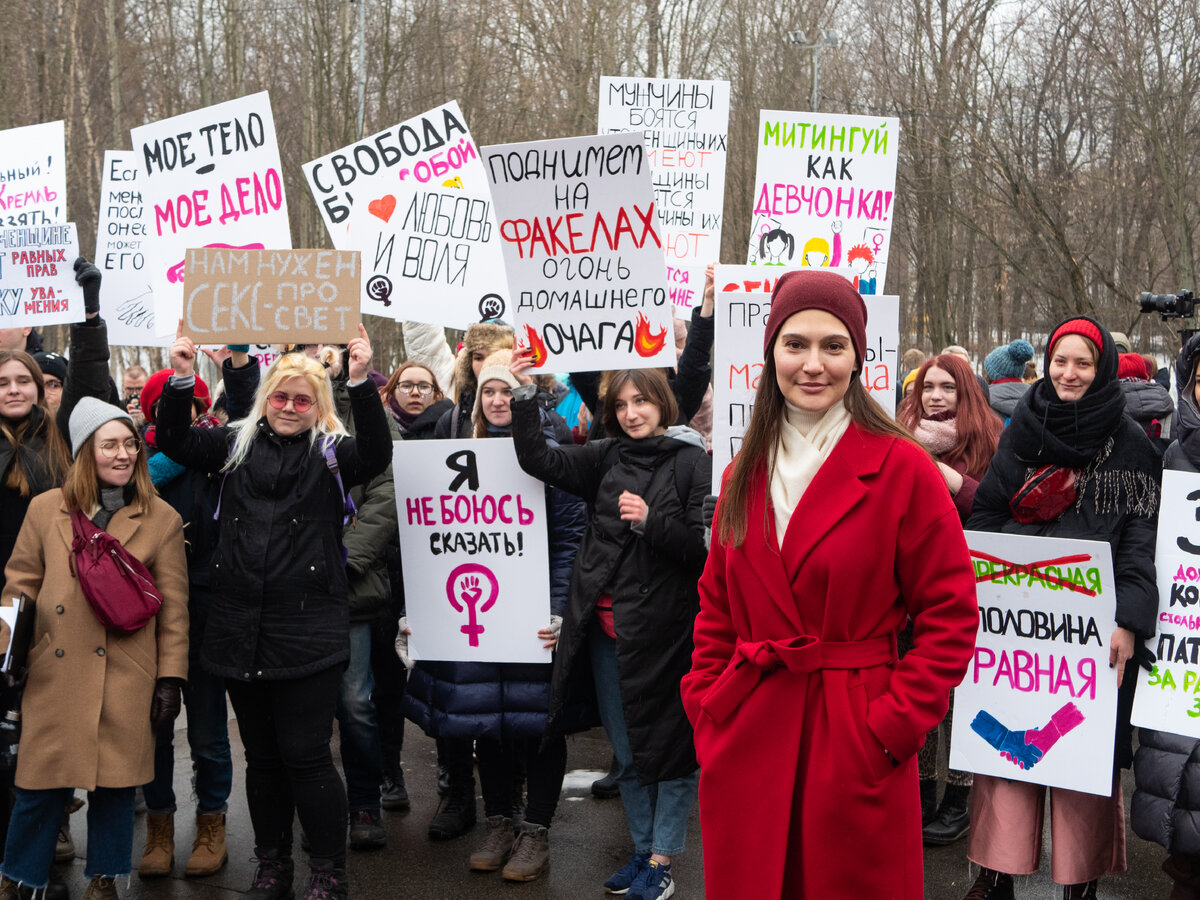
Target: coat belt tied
[{"x": 801, "y": 655}]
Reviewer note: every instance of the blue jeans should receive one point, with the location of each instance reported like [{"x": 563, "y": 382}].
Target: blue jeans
[
  {"x": 207, "y": 730},
  {"x": 657, "y": 813},
  {"x": 358, "y": 729},
  {"x": 33, "y": 834}
]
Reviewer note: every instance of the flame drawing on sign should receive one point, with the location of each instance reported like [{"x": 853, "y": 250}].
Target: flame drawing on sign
[
  {"x": 537, "y": 345},
  {"x": 645, "y": 342}
]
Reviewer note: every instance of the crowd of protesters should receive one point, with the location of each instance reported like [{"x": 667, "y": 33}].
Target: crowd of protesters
[{"x": 725, "y": 646}]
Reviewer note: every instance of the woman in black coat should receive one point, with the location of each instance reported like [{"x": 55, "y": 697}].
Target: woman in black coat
[
  {"x": 1074, "y": 419},
  {"x": 633, "y": 599},
  {"x": 278, "y": 631},
  {"x": 1166, "y": 768}
]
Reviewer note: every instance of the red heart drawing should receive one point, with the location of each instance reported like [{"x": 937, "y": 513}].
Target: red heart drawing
[{"x": 383, "y": 207}]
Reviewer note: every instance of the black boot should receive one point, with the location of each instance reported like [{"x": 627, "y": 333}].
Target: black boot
[
  {"x": 393, "y": 794},
  {"x": 1086, "y": 891},
  {"x": 272, "y": 878},
  {"x": 456, "y": 813},
  {"x": 952, "y": 821},
  {"x": 928, "y": 800},
  {"x": 606, "y": 788},
  {"x": 991, "y": 885}
]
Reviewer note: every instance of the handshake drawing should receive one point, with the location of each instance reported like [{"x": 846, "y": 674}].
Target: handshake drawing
[{"x": 1024, "y": 749}]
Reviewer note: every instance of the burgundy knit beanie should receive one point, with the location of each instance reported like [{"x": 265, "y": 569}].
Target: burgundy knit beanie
[{"x": 814, "y": 289}]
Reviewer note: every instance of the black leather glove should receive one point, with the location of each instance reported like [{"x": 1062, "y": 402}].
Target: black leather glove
[
  {"x": 167, "y": 701},
  {"x": 87, "y": 276}
]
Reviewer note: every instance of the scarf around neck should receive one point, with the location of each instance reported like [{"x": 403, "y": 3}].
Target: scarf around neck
[
  {"x": 805, "y": 442},
  {"x": 938, "y": 433}
]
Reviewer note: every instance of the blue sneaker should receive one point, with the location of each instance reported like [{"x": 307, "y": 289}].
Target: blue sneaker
[
  {"x": 653, "y": 883},
  {"x": 624, "y": 877}
]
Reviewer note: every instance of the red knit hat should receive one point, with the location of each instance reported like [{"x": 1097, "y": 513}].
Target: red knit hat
[
  {"x": 154, "y": 388},
  {"x": 1082, "y": 327},
  {"x": 1131, "y": 365},
  {"x": 814, "y": 289}
]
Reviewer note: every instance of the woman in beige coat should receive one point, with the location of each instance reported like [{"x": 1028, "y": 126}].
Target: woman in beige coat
[{"x": 92, "y": 697}]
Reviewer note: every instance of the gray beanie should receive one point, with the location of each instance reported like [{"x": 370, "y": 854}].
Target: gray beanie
[{"x": 88, "y": 415}]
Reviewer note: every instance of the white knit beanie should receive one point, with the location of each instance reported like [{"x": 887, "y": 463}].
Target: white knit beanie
[{"x": 88, "y": 415}]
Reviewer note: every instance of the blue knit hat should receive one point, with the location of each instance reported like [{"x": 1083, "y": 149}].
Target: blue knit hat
[{"x": 1008, "y": 361}]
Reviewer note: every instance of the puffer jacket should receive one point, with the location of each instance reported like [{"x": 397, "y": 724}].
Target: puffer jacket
[
  {"x": 1149, "y": 404},
  {"x": 500, "y": 700},
  {"x": 278, "y": 579},
  {"x": 1166, "y": 767},
  {"x": 1003, "y": 395}
]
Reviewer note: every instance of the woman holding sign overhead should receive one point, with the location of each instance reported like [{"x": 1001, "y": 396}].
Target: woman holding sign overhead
[
  {"x": 833, "y": 529},
  {"x": 1071, "y": 464},
  {"x": 278, "y": 630}
]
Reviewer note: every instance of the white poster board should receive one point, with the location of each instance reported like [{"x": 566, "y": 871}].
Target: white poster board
[
  {"x": 1168, "y": 698},
  {"x": 686, "y": 124},
  {"x": 824, "y": 192},
  {"x": 414, "y": 200},
  {"x": 37, "y": 276},
  {"x": 476, "y": 557},
  {"x": 584, "y": 258},
  {"x": 209, "y": 178},
  {"x": 743, "y": 306},
  {"x": 1039, "y": 702},
  {"x": 121, "y": 255},
  {"x": 33, "y": 175}
]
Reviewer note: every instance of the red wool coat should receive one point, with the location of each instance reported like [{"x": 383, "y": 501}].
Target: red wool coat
[{"x": 795, "y": 691}]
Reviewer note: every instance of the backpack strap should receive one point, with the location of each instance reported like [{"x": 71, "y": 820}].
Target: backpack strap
[{"x": 329, "y": 451}]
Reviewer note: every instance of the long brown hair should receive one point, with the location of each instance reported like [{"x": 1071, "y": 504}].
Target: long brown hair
[
  {"x": 54, "y": 453},
  {"x": 762, "y": 435},
  {"x": 81, "y": 490},
  {"x": 388, "y": 389},
  {"x": 979, "y": 428}
]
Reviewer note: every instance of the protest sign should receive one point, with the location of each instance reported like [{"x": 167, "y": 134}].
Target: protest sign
[
  {"x": 476, "y": 559},
  {"x": 37, "y": 276},
  {"x": 33, "y": 175},
  {"x": 1168, "y": 697},
  {"x": 743, "y": 305},
  {"x": 121, "y": 255},
  {"x": 272, "y": 296},
  {"x": 582, "y": 251},
  {"x": 209, "y": 178},
  {"x": 423, "y": 221},
  {"x": 686, "y": 124},
  {"x": 1039, "y": 701},
  {"x": 824, "y": 191}
]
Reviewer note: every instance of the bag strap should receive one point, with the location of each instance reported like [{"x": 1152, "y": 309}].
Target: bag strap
[{"x": 329, "y": 451}]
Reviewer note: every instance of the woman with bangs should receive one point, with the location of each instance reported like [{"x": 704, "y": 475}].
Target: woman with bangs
[
  {"x": 279, "y": 627},
  {"x": 950, "y": 417},
  {"x": 415, "y": 399}
]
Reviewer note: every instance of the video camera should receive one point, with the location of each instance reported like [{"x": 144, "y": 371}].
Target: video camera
[{"x": 1169, "y": 306}]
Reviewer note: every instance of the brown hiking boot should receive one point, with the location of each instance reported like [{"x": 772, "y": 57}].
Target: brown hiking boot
[
  {"x": 208, "y": 851},
  {"x": 160, "y": 846},
  {"x": 496, "y": 847},
  {"x": 8, "y": 889},
  {"x": 530, "y": 854},
  {"x": 100, "y": 888}
]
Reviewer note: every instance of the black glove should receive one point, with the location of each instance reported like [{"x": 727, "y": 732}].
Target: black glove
[
  {"x": 87, "y": 276},
  {"x": 168, "y": 699},
  {"x": 708, "y": 510}
]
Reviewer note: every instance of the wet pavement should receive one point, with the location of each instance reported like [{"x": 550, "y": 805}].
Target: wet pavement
[{"x": 588, "y": 842}]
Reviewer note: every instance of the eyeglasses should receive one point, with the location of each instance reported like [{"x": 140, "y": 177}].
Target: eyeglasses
[
  {"x": 407, "y": 387},
  {"x": 52, "y": 384},
  {"x": 110, "y": 449},
  {"x": 301, "y": 402}
]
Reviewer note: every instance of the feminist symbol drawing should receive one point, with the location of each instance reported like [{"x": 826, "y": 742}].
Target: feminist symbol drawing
[{"x": 463, "y": 585}]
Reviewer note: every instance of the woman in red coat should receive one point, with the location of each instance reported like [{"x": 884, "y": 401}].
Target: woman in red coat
[{"x": 833, "y": 529}]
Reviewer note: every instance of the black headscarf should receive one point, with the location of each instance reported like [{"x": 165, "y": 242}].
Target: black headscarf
[{"x": 1047, "y": 430}]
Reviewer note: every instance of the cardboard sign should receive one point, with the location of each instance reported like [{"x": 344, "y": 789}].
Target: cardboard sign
[
  {"x": 272, "y": 296},
  {"x": 743, "y": 306},
  {"x": 37, "y": 276},
  {"x": 33, "y": 175},
  {"x": 582, "y": 251},
  {"x": 1168, "y": 697},
  {"x": 824, "y": 193},
  {"x": 1039, "y": 702},
  {"x": 209, "y": 178},
  {"x": 423, "y": 220},
  {"x": 476, "y": 557},
  {"x": 686, "y": 124},
  {"x": 121, "y": 255}
]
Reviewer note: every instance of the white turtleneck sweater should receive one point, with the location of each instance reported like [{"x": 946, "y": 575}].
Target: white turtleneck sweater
[{"x": 805, "y": 441}]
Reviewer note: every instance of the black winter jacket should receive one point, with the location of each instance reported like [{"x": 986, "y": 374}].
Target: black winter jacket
[
  {"x": 500, "y": 700},
  {"x": 278, "y": 578},
  {"x": 651, "y": 576}
]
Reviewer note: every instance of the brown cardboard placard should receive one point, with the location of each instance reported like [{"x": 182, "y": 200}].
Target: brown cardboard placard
[{"x": 233, "y": 295}]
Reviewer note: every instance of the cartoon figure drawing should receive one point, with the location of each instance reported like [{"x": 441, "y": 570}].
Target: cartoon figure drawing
[
  {"x": 773, "y": 245},
  {"x": 862, "y": 258},
  {"x": 817, "y": 251}
]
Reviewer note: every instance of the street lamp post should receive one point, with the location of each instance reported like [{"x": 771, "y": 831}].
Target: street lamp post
[{"x": 829, "y": 38}]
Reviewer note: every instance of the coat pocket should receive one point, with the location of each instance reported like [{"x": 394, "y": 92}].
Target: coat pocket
[{"x": 876, "y": 762}]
